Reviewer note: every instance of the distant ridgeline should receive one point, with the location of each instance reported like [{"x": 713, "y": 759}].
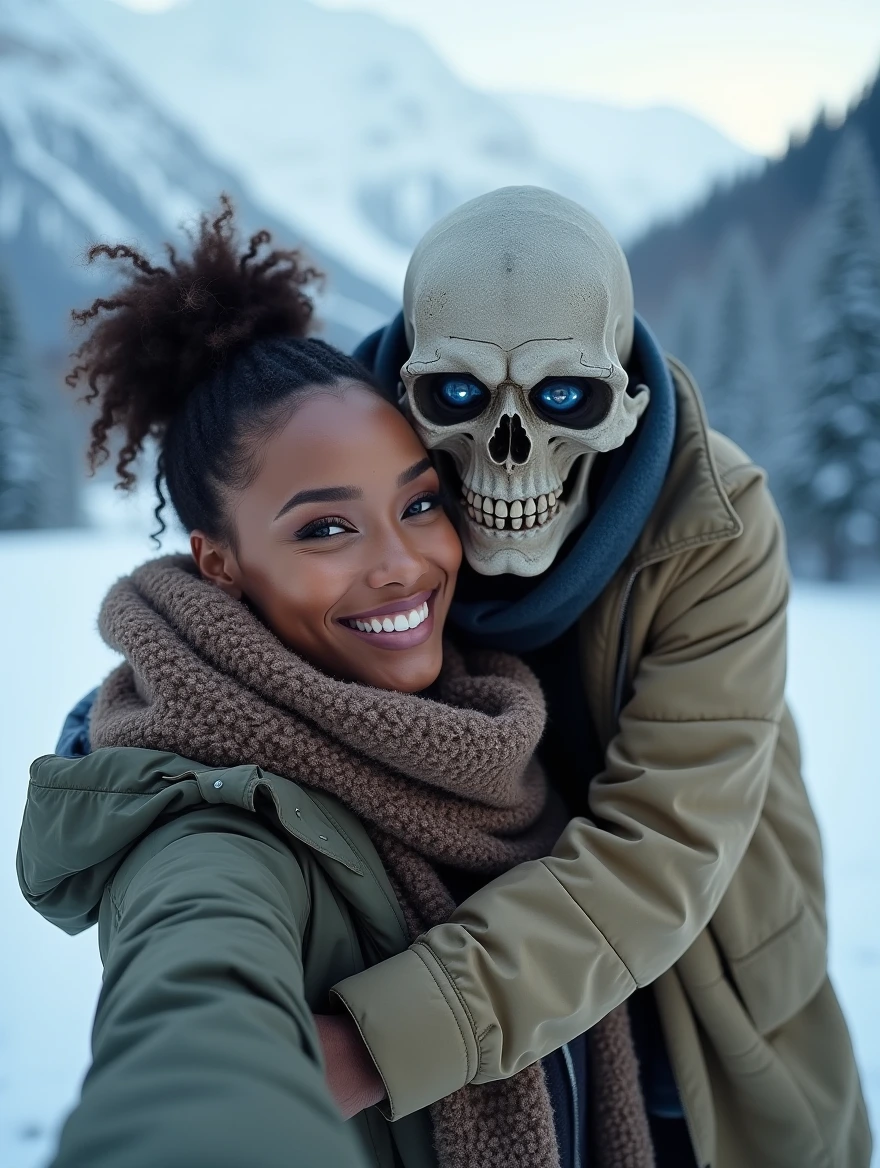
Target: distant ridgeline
[
  {"x": 86, "y": 155},
  {"x": 770, "y": 293}
]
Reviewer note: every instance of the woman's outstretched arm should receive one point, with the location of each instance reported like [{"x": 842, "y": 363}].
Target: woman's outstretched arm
[{"x": 205, "y": 1052}]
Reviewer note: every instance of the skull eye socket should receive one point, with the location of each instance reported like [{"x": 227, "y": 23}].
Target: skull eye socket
[
  {"x": 447, "y": 398},
  {"x": 578, "y": 403},
  {"x": 561, "y": 395}
]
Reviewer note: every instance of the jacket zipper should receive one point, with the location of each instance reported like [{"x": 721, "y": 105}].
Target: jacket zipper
[{"x": 575, "y": 1108}]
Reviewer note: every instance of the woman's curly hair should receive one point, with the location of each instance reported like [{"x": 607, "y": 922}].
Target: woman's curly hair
[
  {"x": 169, "y": 328},
  {"x": 191, "y": 352}
]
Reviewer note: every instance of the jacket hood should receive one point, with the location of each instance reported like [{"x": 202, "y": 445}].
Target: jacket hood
[{"x": 84, "y": 815}]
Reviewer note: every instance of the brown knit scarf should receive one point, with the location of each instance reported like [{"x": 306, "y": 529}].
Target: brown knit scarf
[{"x": 449, "y": 780}]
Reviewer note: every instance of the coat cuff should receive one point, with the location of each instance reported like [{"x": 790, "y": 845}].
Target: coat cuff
[{"x": 415, "y": 1026}]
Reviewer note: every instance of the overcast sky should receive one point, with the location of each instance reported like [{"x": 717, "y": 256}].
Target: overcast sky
[{"x": 758, "y": 69}]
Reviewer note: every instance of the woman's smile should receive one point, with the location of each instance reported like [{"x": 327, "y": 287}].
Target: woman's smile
[{"x": 400, "y": 624}]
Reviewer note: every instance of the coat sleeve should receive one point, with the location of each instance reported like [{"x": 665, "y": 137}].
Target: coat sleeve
[
  {"x": 204, "y": 1049},
  {"x": 543, "y": 952}
]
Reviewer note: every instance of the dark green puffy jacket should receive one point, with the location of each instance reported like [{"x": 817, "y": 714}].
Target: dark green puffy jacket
[{"x": 228, "y": 903}]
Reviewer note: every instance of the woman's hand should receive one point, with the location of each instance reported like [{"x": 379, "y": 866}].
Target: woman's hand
[{"x": 354, "y": 1082}]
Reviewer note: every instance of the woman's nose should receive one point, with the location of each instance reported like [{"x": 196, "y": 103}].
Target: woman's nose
[{"x": 395, "y": 561}]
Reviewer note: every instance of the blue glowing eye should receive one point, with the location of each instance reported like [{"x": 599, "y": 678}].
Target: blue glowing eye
[
  {"x": 458, "y": 391},
  {"x": 561, "y": 396}
]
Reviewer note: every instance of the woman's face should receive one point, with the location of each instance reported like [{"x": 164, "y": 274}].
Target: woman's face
[{"x": 343, "y": 546}]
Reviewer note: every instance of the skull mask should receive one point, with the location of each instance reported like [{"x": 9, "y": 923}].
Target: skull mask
[{"x": 519, "y": 314}]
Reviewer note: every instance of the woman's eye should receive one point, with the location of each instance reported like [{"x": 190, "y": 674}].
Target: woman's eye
[
  {"x": 421, "y": 506},
  {"x": 561, "y": 396},
  {"x": 461, "y": 391},
  {"x": 322, "y": 529}
]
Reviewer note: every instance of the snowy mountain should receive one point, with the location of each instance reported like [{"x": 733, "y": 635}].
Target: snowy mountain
[
  {"x": 355, "y": 127},
  {"x": 649, "y": 164},
  {"x": 85, "y": 155}
]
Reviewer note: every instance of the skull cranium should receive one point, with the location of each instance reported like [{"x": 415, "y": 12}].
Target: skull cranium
[{"x": 519, "y": 314}]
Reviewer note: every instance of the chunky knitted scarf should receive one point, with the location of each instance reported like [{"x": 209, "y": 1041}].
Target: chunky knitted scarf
[{"x": 451, "y": 780}]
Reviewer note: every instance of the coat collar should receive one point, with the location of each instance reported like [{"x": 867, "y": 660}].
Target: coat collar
[{"x": 693, "y": 508}]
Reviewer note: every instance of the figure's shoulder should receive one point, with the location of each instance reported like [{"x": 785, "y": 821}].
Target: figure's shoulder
[
  {"x": 736, "y": 469},
  {"x": 703, "y": 456},
  {"x": 714, "y": 495}
]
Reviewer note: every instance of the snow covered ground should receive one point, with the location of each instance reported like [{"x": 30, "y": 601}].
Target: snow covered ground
[{"x": 50, "y": 588}]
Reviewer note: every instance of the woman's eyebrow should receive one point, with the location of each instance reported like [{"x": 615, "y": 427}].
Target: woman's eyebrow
[
  {"x": 417, "y": 468},
  {"x": 321, "y": 495}
]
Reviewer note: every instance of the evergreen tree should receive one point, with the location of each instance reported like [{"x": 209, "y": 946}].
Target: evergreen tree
[
  {"x": 738, "y": 369},
  {"x": 838, "y": 474},
  {"x": 681, "y": 329},
  {"x": 21, "y": 479}
]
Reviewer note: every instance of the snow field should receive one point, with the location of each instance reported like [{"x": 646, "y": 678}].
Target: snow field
[{"x": 51, "y": 589}]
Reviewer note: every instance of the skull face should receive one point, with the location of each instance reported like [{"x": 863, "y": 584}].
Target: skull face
[{"x": 519, "y": 312}]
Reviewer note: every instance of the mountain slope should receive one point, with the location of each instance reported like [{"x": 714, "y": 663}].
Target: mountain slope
[
  {"x": 355, "y": 127},
  {"x": 648, "y": 163},
  {"x": 772, "y": 205},
  {"x": 84, "y": 155}
]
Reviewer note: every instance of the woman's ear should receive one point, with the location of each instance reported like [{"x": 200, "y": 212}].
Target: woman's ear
[{"x": 216, "y": 562}]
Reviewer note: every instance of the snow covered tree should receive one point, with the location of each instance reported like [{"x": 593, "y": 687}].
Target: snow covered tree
[
  {"x": 738, "y": 367},
  {"x": 21, "y": 485},
  {"x": 838, "y": 471},
  {"x": 681, "y": 329}
]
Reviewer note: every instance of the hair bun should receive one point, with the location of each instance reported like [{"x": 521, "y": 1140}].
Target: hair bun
[{"x": 169, "y": 328}]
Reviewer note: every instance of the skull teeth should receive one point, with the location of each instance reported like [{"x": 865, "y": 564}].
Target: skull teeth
[{"x": 501, "y": 515}]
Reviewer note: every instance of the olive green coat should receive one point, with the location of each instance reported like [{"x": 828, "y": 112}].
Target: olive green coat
[
  {"x": 699, "y": 871},
  {"x": 228, "y": 902}
]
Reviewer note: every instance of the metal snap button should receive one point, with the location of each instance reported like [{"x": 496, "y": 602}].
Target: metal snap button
[{"x": 218, "y": 783}]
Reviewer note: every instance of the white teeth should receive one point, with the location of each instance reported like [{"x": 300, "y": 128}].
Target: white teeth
[
  {"x": 500, "y": 515},
  {"x": 399, "y": 622}
]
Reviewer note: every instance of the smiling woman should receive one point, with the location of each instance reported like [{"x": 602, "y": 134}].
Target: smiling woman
[
  {"x": 261, "y": 430},
  {"x": 310, "y": 761}
]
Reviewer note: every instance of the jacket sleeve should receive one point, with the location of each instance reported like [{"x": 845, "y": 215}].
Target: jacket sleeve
[
  {"x": 543, "y": 952},
  {"x": 204, "y": 1050}
]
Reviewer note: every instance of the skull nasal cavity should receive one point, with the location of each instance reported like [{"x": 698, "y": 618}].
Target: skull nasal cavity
[{"x": 510, "y": 442}]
